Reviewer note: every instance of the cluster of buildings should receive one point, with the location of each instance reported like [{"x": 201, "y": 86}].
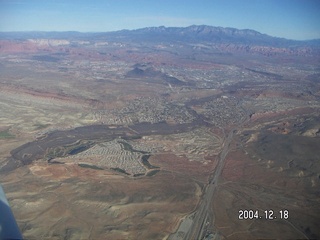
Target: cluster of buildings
[
  {"x": 112, "y": 155},
  {"x": 151, "y": 110},
  {"x": 223, "y": 111}
]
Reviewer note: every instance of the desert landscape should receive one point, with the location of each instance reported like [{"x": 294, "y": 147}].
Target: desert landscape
[{"x": 161, "y": 133}]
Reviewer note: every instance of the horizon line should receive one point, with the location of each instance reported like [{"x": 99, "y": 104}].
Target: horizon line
[{"x": 161, "y": 26}]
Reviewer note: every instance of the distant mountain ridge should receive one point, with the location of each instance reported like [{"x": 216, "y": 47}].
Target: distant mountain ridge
[
  {"x": 224, "y": 40},
  {"x": 205, "y": 33},
  {"x": 191, "y": 33}
]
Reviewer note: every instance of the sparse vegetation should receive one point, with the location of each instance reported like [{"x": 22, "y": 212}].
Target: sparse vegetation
[
  {"x": 41, "y": 126},
  {"x": 152, "y": 173},
  {"x": 68, "y": 149},
  {"x": 120, "y": 170},
  {"x": 146, "y": 163},
  {"x": 84, "y": 165},
  {"x": 6, "y": 135},
  {"x": 128, "y": 147}
]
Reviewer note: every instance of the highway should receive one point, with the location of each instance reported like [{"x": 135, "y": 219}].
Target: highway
[{"x": 203, "y": 219}]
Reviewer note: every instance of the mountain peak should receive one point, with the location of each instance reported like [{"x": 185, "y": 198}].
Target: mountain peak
[
  {"x": 201, "y": 29},
  {"x": 205, "y": 29},
  {"x": 205, "y": 33}
]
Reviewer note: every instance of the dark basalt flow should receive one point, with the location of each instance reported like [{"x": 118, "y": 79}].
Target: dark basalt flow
[
  {"x": 81, "y": 138},
  {"x": 155, "y": 76}
]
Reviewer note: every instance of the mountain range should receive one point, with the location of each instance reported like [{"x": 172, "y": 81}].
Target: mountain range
[{"x": 223, "y": 39}]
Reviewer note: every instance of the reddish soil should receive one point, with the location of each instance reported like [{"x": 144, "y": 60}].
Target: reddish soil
[
  {"x": 183, "y": 167},
  {"x": 248, "y": 184}
]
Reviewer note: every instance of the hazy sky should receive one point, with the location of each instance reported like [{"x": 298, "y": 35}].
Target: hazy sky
[{"x": 295, "y": 19}]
